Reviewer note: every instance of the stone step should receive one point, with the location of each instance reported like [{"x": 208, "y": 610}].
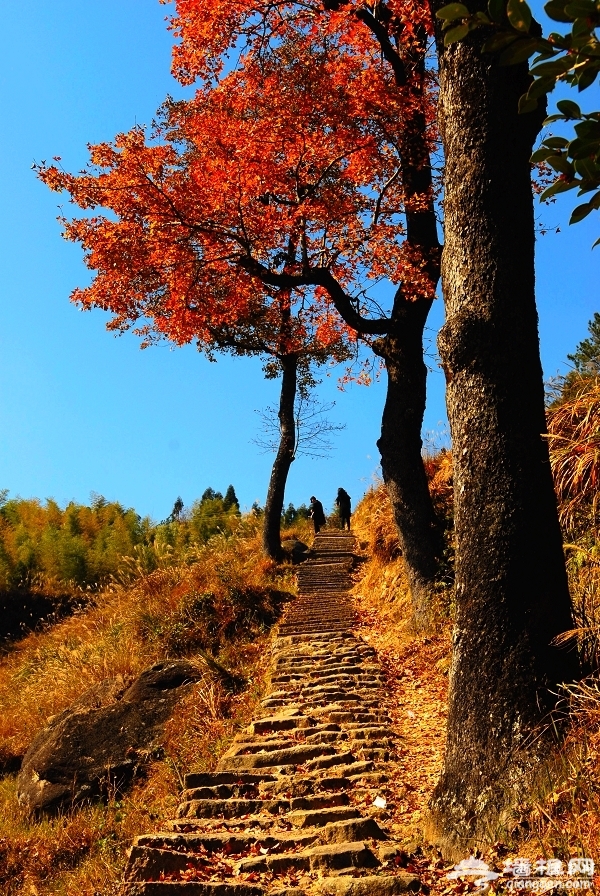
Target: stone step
[
  {"x": 191, "y": 888},
  {"x": 380, "y": 885},
  {"x": 335, "y": 856},
  {"x": 232, "y": 843},
  {"x": 230, "y": 808},
  {"x": 315, "y": 818},
  {"x": 213, "y": 779}
]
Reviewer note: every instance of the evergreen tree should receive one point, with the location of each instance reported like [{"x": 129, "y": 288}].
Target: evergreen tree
[
  {"x": 586, "y": 356},
  {"x": 230, "y": 499},
  {"x": 177, "y": 508}
]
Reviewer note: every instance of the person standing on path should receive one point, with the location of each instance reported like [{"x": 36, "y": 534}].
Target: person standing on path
[
  {"x": 344, "y": 503},
  {"x": 317, "y": 514}
]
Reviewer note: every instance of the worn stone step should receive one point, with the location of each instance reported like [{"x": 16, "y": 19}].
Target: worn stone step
[
  {"x": 326, "y": 737},
  {"x": 213, "y": 779},
  {"x": 311, "y": 818},
  {"x": 232, "y": 843},
  {"x": 351, "y": 830},
  {"x": 259, "y": 745},
  {"x": 278, "y": 758},
  {"x": 221, "y": 792},
  {"x": 335, "y": 856},
  {"x": 320, "y": 801},
  {"x": 279, "y": 723},
  {"x": 191, "y": 888},
  {"x": 373, "y": 885},
  {"x": 331, "y": 761},
  {"x": 369, "y": 732},
  {"x": 348, "y": 718},
  {"x": 231, "y": 808}
]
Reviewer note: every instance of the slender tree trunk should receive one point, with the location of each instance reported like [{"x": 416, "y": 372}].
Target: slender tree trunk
[
  {"x": 511, "y": 588},
  {"x": 283, "y": 459},
  {"x": 400, "y": 443},
  {"x": 400, "y": 446}
]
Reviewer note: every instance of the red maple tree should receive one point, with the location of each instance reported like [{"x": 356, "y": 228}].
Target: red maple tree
[{"x": 303, "y": 168}]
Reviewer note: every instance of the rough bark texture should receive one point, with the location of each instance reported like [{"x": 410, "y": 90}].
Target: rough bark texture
[
  {"x": 511, "y": 588},
  {"x": 283, "y": 458}
]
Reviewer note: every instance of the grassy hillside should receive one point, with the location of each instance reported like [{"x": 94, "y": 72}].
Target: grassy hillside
[{"x": 221, "y": 598}]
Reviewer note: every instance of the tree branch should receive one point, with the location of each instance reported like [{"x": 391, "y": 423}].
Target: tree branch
[
  {"x": 324, "y": 278},
  {"x": 389, "y": 53}
]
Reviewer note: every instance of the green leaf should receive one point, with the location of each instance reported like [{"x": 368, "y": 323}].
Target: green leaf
[
  {"x": 555, "y": 9},
  {"x": 586, "y": 186},
  {"x": 499, "y": 41},
  {"x": 556, "y": 142},
  {"x": 456, "y": 33},
  {"x": 559, "y": 186},
  {"x": 583, "y": 149},
  {"x": 569, "y": 109},
  {"x": 482, "y": 18},
  {"x": 539, "y": 87},
  {"x": 588, "y": 170},
  {"x": 580, "y": 9},
  {"x": 591, "y": 49},
  {"x": 589, "y": 128},
  {"x": 587, "y": 75},
  {"x": 519, "y": 51},
  {"x": 597, "y": 243},
  {"x": 497, "y": 10},
  {"x": 540, "y": 155},
  {"x": 453, "y": 11},
  {"x": 552, "y": 118},
  {"x": 552, "y": 69},
  {"x": 519, "y": 15},
  {"x": 546, "y": 50},
  {"x": 581, "y": 212},
  {"x": 527, "y": 104},
  {"x": 561, "y": 164},
  {"x": 582, "y": 30}
]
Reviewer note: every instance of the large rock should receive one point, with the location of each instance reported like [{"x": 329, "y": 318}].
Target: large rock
[
  {"x": 295, "y": 550},
  {"x": 99, "y": 744}
]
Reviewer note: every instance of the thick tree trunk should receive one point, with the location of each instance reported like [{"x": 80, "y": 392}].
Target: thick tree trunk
[
  {"x": 511, "y": 588},
  {"x": 283, "y": 459},
  {"x": 400, "y": 446}
]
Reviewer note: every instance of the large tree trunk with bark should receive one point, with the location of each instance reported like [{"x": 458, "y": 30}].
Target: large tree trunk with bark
[
  {"x": 401, "y": 445},
  {"x": 511, "y": 588},
  {"x": 283, "y": 458}
]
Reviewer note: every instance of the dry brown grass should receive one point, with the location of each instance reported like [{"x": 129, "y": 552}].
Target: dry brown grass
[
  {"x": 416, "y": 666},
  {"x": 560, "y": 815},
  {"x": 574, "y": 438},
  {"x": 223, "y": 600}
]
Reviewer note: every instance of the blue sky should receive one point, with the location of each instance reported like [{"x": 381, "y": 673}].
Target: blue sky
[{"x": 81, "y": 410}]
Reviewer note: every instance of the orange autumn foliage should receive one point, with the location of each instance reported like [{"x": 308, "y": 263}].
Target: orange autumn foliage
[{"x": 289, "y": 165}]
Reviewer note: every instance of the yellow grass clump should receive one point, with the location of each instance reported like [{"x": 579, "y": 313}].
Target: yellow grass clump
[{"x": 574, "y": 438}]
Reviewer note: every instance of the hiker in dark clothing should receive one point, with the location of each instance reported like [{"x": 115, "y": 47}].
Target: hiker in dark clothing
[
  {"x": 343, "y": 502},
  {"x": 317, "y": 514}
]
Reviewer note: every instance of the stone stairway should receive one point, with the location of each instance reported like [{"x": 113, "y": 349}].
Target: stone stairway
[{"x": 293, "y": 807}]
